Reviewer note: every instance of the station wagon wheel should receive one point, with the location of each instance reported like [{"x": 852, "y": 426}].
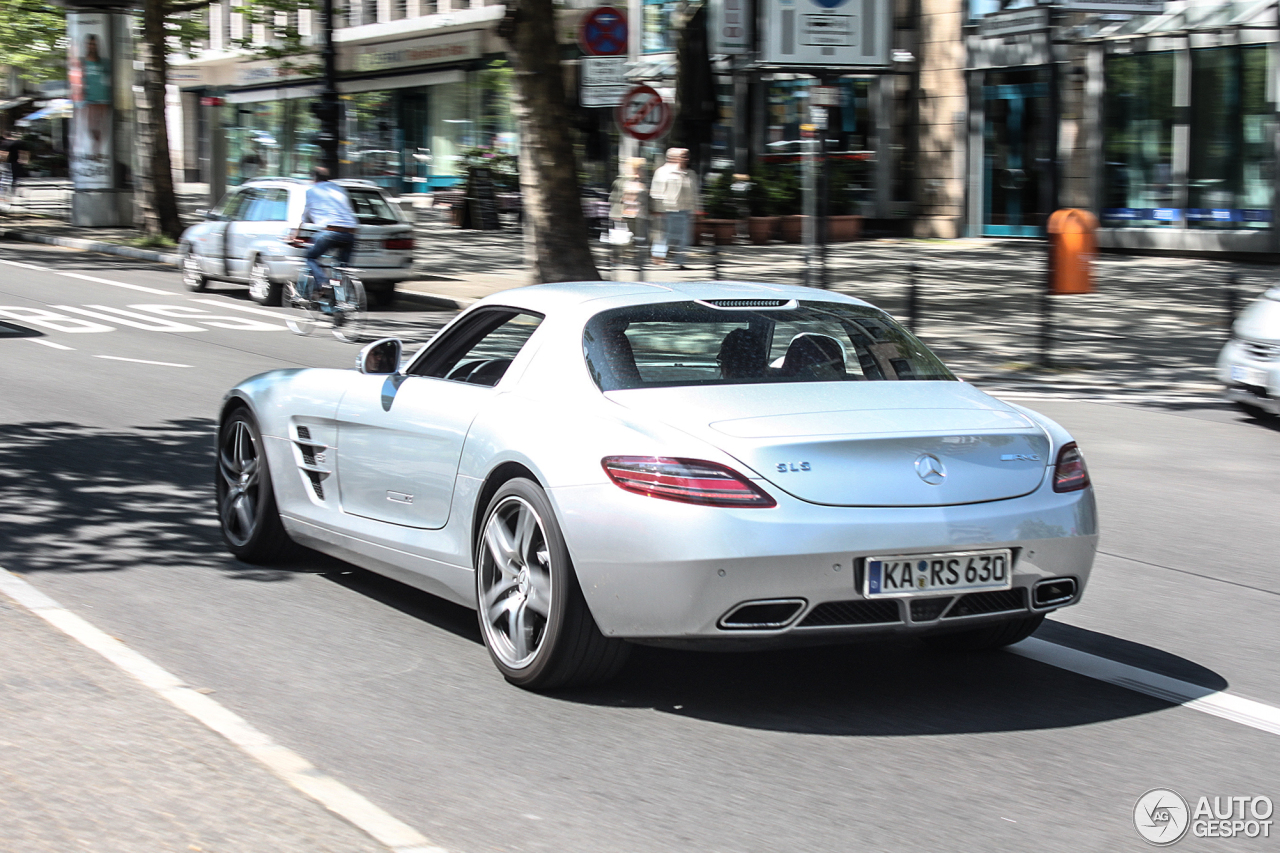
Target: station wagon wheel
[
  {"x": 262, "y": 289},
  {"x": 250, "y": 521},
  {"x": 533, "y": 617},
  {"x": 192, "y": 277}
]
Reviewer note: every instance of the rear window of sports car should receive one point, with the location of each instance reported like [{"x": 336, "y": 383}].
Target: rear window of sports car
[{"x": 696, "y": 343}]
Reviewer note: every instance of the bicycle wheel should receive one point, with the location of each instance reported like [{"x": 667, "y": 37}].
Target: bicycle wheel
[
  {"x": 302, "y": 313},
  {"x": 349, "y": 309}
]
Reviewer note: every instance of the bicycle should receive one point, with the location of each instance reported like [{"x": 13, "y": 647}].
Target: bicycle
[{"x": 342, "y": 299}]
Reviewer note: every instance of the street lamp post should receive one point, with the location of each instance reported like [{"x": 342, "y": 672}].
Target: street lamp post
[{"x": 328, "y": 108}]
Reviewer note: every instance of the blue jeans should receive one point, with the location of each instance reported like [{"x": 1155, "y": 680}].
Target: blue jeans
[
  {"x": 340, "y": 242},
  {"x": 676, "y": 227}
]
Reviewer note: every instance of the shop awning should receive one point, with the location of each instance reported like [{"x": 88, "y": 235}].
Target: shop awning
[
  {"x": 57, "y": 108},
  {"x": 15, "y": 102}
]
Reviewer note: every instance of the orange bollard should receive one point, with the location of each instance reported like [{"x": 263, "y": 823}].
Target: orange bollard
[{"x": 1073, "y": 233}]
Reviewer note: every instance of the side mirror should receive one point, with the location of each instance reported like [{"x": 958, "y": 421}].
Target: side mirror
[{"x": 380, "y": 358}]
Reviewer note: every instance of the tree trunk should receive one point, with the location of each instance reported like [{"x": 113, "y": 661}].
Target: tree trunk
[
  {"x": 156, "y": 199},
  {"x": 557, "y": 241}
]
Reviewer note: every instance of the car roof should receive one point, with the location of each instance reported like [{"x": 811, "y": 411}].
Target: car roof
[
  {"x": 595, "y": 296},
  {"x": 303, "y": 183}
]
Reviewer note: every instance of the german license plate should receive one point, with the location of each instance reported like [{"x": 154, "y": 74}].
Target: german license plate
[
  {"x": 368, "y": 247},
  {"x": 1246, "y": 375},
  {"x": 924, "y": 574}
]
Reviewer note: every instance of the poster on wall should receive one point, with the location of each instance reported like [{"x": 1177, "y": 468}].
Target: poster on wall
[{"x": 89, "y": 75}]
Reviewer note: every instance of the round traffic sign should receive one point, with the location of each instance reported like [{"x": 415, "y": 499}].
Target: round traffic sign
[
  {"x": 643, "y": 114},
  {"x": 603, "y": 32}
]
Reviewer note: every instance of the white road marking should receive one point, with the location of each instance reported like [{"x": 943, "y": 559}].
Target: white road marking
[
  {"x": 1228, "y": 706},
  {"x": 141, "y": 361},
  {"x": 89, "y": 278},
  {"x": 139, "y": 321},
  {"x": 244, "y": 308},
  {"x": 299, "y": 773},
  {"x": 45, "y": 343}
]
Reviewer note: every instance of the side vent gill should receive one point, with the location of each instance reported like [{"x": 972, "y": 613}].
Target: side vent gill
[{"x": 314, "y": 465}]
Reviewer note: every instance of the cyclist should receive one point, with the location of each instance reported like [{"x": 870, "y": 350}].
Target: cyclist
[{"x": 328, "y": 206}]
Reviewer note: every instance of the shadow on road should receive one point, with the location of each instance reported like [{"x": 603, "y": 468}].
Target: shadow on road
[{"x": 75, "y": 499}]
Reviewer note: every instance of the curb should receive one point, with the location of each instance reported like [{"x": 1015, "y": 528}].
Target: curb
[{"x": 171, "y": 258}]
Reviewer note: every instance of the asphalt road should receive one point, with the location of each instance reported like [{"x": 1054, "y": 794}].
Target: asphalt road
[{"x": 106, "y": 422}]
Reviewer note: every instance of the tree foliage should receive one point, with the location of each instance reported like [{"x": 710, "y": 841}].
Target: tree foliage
[{"x": 33, "y": 39}]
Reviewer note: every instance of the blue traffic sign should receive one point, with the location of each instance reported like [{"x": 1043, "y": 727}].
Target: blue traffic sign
[{"x": 604, "y": 32}]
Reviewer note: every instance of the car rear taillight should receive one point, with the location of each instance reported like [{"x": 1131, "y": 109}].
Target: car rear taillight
[
  {"x": 692, "y": 481},
  {"x": 399, "y": 243},
  {"x": 1070, "y": 473}
]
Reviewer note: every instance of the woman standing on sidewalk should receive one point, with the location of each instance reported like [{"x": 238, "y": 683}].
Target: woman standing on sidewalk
[{"x": 629, "y": 207}]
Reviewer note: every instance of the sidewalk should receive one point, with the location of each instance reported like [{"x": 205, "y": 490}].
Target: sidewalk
[
  {"x": 1150, "y": 334},
  {"x": 91, "y": 760}
]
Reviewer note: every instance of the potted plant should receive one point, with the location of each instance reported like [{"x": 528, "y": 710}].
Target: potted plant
[
  {"x": 721, "y": 210},
  {"x": 789, "y": 203},
  {"x": 762, "y": 224},
  {"x": 843, "y": 224}
]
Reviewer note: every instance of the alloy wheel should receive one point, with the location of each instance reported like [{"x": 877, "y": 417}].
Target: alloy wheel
[
  {"x": 239, "y": 463},
  {"x": 259, "y": 283},
  {"x": 192, "y": 278},
  {"x": 515, "y": 583}
]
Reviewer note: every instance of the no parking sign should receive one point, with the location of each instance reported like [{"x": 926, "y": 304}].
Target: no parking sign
[
  {"x": 603, "y": 32},
  {"x": 643, "y": 114}
]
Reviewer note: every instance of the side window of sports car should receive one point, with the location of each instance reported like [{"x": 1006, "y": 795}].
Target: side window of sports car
[{"x": 480, "y": 349}]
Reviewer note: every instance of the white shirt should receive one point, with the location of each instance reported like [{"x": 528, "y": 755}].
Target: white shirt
[{"x": 328, "y": 204}]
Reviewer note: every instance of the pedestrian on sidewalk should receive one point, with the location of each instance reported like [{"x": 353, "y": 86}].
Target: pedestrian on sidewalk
[
  {"x": 15, "y": 154},
  {"x": 675, "y": 197},
  {"x": 629, "y": 207}
]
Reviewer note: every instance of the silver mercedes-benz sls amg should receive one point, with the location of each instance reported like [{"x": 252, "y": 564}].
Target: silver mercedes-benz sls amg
[{"x": 725, "y": 464}]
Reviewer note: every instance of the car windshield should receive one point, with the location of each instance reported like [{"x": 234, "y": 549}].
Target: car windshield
[
  {"x": 372, "y": 207},
  {"x": 729, "y": 343}
]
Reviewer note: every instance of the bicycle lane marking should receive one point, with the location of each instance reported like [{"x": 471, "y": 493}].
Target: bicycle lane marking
[{"x": 288, "y": 765}]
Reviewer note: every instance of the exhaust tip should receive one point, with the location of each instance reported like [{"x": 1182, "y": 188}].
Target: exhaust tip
[
  {"x": 1054, "y": 591},
  {"x": 762, "y": 615}
]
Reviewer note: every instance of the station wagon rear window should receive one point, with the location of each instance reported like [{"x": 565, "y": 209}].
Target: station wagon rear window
[{"x": 696, "y": 343}]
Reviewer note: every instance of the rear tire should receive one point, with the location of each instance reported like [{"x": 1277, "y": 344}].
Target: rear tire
[
  {"x": 1256, "y": 412},
  {"x": 382, "y": 297},
  {"x": 247, "y": 511},
  {"x": 987, "y": 637},
  {"x": 533, "y": 616},
  {"x": 262, "y": 289}
]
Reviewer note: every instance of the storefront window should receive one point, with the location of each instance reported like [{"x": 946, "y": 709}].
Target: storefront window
[
  {"x": 374, "y": 139},
  {"x": 254, "y": 147},
  {"x": 1231, "y": 164},
  {"x": 659, "y": 26},
  {"x": 453, "y": 130},
  {"x": 1138, "y": 152}
]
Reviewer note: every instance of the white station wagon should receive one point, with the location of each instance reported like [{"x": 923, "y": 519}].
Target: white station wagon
[{"x": 243, "y": 239}]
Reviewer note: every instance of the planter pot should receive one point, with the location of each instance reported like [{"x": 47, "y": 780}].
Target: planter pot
[
  {"x": 762, "y": 228},
  {"x": 843, "y": 229},
  {"x": 725, "y": 231},
  {"x": 791, "y": 228}
]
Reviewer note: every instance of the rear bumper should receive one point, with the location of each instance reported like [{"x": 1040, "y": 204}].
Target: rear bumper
[
  {"x": 654, "y": 569},
  {"x": 286, "y": 269}
]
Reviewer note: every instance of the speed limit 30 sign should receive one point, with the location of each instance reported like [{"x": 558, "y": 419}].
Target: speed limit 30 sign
[{"x": 643, "y": 114}]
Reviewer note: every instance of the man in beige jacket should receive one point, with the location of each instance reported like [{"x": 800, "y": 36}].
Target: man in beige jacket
[{"x": 674, "y": 193}]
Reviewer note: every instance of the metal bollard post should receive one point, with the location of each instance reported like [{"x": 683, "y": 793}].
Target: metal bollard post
[
  {"x": 641, "y": 251},
  {"x": 913, "y": 298},
  {"x": 1231, "y": 296},
  {"x": 715, "y": 258}
]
